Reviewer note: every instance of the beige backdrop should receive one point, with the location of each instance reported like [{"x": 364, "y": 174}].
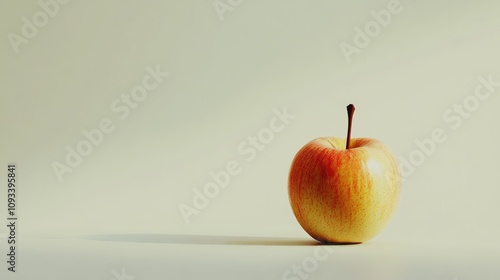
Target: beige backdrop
[{"x": 116, "y": 114}]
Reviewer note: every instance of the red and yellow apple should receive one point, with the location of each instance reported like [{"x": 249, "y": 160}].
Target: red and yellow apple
[{"x": 344, "y": 190}]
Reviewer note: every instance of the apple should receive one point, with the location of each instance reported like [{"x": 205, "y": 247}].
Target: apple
[{"x": 344, "y": 190}]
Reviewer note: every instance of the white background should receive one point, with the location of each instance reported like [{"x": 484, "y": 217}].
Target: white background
[{"x": 227, "y": 73}]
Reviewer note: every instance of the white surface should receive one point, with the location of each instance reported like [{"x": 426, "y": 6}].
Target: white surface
[
  {"x": 204, "y": 257},
  {"x": 226, "y": 78}
]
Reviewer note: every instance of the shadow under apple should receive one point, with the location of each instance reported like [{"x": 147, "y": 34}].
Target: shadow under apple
[{"x": 206, "y": 239}]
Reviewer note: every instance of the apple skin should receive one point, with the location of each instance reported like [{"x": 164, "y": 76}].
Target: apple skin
[{"x": 343, "y": 195}]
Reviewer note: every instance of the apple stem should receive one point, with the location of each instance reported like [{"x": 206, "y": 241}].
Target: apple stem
[{"x": 350, "y": 113}]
